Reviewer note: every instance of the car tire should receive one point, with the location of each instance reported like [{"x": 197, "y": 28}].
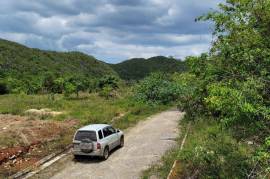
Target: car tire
[
  {"x": 76, "y": 157},
  {"x": 122, "y": 142},
  {"x": 106, "y": 153}
]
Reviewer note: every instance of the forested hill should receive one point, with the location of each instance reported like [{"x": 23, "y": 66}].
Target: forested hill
[
  {"x": 18, "y": 61},
  {"x": 138, "y": 68}
]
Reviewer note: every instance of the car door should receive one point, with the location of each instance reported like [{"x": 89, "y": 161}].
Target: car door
[
  {"x": 108, "y": 137},
  {"x": 114, "y": 136}
]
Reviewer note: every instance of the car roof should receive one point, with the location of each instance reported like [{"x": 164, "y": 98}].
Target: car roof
[{"x": 93, "y": 127}]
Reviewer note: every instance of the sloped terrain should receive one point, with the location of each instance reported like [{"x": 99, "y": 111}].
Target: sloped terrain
[
  {"x": 18, "y": 61},
  {"x": 138, "y": 68}
]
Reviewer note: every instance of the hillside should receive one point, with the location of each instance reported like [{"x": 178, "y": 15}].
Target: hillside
[
  {"x": 138, "y": 68},
  {"x": 18, "y": 61}
]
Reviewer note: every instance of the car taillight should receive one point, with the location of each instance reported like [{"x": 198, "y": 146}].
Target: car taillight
[{"x": 98, "y": 146}]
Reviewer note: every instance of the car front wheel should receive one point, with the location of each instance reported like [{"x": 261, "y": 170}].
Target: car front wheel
[{"x": 122, "y": 142}]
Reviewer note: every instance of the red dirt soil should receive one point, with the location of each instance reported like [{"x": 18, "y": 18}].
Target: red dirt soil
[{"x": 23, "y": 141}]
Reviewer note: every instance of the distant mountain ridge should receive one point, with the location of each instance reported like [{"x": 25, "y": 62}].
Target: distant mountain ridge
[
  {"x": 25, "y": 64},
  {"x": 18, "y": 61},
  {"x": 138, "y": 68}
]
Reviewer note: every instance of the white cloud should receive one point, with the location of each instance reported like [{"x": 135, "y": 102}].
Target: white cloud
[{"x": 112, "y": 30}]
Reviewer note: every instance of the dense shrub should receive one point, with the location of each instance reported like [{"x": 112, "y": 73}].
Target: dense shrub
[
  {"x": 212, "y": 153},
  {"x": 190, "y": 94},
  {"x": 111, "y": 81},
  {"x": 157, "y": 88},
  {"x": 107, "y": 92}
]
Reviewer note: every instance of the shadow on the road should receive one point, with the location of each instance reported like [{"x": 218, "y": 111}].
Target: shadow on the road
[{"x": 92, "y": 159}]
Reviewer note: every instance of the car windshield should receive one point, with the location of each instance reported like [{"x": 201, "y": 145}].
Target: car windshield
[{"x": 82, "y": 135}]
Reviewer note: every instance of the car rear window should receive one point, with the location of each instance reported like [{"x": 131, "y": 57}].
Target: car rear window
[{"x": 82, "y": 135}]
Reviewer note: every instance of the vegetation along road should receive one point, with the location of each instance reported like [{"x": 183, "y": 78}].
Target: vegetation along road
[{"x": 144, "y": 145}]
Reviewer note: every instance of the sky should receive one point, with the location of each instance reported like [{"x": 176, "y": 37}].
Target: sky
[{"x": 110, "y": 30}]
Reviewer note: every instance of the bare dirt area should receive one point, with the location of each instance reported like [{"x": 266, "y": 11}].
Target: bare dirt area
[
  {"x": 43, "y": 112},
  {"x": 24, "y": 141},
  {"x": 144, "y": 145}
]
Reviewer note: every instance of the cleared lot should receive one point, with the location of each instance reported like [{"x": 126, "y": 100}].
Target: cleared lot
[{"x": 24, "y": 141}]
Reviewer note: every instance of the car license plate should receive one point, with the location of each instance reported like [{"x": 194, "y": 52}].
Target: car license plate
[{"x": 85, "y": 146}]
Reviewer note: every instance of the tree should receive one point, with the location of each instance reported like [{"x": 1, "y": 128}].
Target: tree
[
  {"x": 234, "y": 78},
  {"x": 69, "y": 88},
  {"x": 53, "y": 85},
  {"x": 58, "y": 85},
  {"x": 157, "y": 88},
  {"x": 48, "y": 82},
  {"x": 108, "y": 80},
  {"x": 107, "y": 92},
  {"x": 80, "y": 84}
]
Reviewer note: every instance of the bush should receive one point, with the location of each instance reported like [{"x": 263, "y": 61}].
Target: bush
[
  {"x": 69, "y": 88},
  {"x": 111, "y": 81},
  {"x": 210, "y": 152},
  {"x": 157, "y": 88},
  {"x": 191, "y": 91},
  {"x": 107, "y": 92}
]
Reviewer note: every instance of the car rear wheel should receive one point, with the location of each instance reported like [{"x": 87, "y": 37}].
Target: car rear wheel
[
  {"x": 106, "y": 153},
  {"x": 122, "y": 142},
  {"x": 76, "y": 157}
]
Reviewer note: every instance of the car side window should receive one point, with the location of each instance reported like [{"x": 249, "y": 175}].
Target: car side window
[
  {"x": 106, "y": 132},
  {"x": 100, "y": 136},
  {"x": 112, "y": 130}
]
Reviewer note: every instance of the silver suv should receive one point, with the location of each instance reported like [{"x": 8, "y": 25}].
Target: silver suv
[{"x": 97, "y": 140}]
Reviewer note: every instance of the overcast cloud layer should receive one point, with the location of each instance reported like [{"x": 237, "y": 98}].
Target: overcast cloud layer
[{"x": 110, "y": 30}]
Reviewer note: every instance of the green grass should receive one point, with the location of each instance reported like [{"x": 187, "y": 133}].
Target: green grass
[
  {"x": 209, "y": 152},
  {"x": 89, "y": 108}
]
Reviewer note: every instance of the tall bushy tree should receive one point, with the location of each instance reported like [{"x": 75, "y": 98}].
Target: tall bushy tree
[
  {"x": 234, "y": 78},
  {"x": 157, "y": 88},
  {"x": 80, "y": 84},
  {"x": 108, "y": 80},
  {"x": 243, "y": 37}
]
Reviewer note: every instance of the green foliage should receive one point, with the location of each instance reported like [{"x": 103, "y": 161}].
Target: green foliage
[
  {"x": 107, "y": 86},
  {"x": 48, "y": 83},
  {"x": 190, "y": 98},
  {"x": 139, "y": 68},
  {"x": 238, "y": 105},
  {"x": 80, "y": 84},
  {"x": 106, "y": 91},
  {"x": 111, "y": 81},
  {"x": 210, "y": 152},
  {"x": 261, "y": 159},
  {"x": 24, "y": 68},
  {"x": 58, "y": 85},
  {"x": 69, "y": 88},
  {"x": 231, "y": 85},
  {"x": 157, "y": 88}
]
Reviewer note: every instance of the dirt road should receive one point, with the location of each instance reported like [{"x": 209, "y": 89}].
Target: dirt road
[{"x": 144, "y": 144}]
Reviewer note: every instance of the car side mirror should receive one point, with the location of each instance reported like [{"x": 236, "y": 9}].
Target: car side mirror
[{"x": 117, "y": 130}]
